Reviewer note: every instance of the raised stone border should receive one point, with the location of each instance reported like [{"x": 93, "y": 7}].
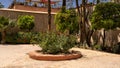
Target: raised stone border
[{"x": 49, "y": 57}]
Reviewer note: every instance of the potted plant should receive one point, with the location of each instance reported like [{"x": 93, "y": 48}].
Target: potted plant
[{"x": 57, "y": 46}]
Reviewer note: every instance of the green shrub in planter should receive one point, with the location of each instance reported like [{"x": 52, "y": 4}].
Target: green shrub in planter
[{"x": 53, "y": 44}]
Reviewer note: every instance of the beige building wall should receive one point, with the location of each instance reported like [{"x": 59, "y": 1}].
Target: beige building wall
[
  {"x": 31, "y": 8},
  {"x": 41, "y": 18}
]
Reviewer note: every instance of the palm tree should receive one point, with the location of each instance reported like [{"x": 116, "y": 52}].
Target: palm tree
[
  {"x": 28, "y": 2},
  {"x": 64, "y": 3},
  {"x": 49, "y": 15},
  {"x": 98, "y": 1}
]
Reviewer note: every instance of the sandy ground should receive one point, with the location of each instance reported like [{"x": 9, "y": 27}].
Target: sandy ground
[{"x": 15, "y": 56}]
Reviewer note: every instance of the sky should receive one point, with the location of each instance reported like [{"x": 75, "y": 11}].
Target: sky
[{"x": 6, "y": 3}]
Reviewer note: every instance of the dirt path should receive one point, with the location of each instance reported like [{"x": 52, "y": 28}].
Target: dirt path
[{"x": 15, "y": 56}]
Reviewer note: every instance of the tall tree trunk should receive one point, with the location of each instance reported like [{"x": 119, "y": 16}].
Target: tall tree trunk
[
  {"x": 64, "y": 3},
  {"x": 89, "y": 32},
  {"x": 104, "y": 37},
  {"x": 49, "y": 15},
  {"x": 80, "y": 15},
  {"x": 83, "y": 24},
  {"x": 85, "y": 35},
  {"x": 77, "y": 5},
  {"x": 88, "y": 37}
]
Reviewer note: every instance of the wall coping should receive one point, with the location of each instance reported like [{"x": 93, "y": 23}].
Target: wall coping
[{"x": 6, "y": 9}]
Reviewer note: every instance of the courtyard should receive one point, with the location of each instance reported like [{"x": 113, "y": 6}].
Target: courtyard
[{"x": 15, "y": 56}]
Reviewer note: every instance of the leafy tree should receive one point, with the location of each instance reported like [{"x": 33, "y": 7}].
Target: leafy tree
[
  {"x": 66, "y": 20},
  {"x": 26, "y": 22},
  {"x": 107, "y": 16}
]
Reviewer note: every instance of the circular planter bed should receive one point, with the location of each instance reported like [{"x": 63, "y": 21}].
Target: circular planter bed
[{"x": 50, "y": 57}]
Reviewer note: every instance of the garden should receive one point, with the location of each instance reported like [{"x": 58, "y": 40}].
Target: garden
[{"x": 105, "y": 17}]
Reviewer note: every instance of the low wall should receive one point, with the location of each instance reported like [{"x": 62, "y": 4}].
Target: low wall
[{"x": 112, "y": 37}]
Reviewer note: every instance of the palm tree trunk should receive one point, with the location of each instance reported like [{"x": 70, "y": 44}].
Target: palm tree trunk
[
  {"x": 64, "y": 3},
  {"x": 49, "y": 15},
  {"x": 98, "y": 1}
]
